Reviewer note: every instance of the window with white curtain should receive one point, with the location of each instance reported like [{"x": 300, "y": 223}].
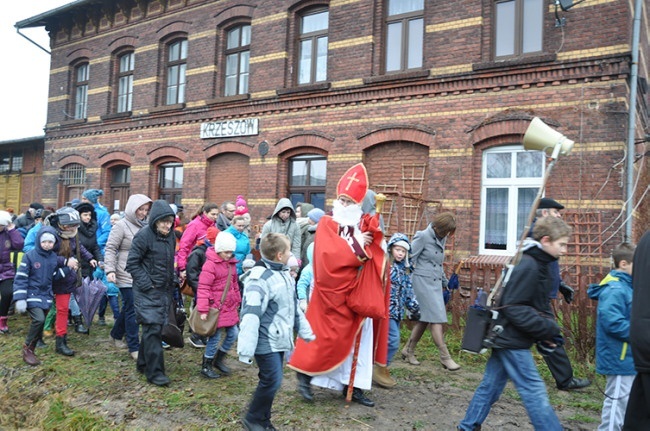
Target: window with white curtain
[{"x": 510, "y": 179}]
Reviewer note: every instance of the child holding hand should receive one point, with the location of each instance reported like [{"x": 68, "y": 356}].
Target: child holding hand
[{"x": 219, "y": 288}]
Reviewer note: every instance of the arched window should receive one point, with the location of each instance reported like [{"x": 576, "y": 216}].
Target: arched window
[
  {"x": 120, "y": 187},
  {"x": 170, "y": 182},
  {"x": 73, "y": 180},
  {"x": 307, "y": 179}
]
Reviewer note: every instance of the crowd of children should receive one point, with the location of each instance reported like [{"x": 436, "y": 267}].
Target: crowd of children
[{"x": 262, "y": 304}]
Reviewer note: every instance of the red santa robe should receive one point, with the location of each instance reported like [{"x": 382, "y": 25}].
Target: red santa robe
[{"x": 338, "y": 270}]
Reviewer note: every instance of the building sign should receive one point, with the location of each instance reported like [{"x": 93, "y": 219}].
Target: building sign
[{"x": 229, "y": 128}]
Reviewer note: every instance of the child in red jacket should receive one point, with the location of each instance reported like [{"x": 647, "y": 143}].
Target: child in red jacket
[{"x": 219, "y": 274}]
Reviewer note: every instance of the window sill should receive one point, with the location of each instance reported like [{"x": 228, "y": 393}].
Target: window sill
[
  {"x": 323, "y": 86},
  {"x": 397, "y": 76},
  {"x": 513, "y": 62},
  {"x": 116, "y": 115},
  {"x": 227, "y": 99},
  {"x": 75, "y": 121},
  {"x": 167, "y": 108}
]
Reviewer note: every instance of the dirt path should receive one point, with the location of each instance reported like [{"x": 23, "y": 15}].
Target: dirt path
[{"x": 101, "y": 383}]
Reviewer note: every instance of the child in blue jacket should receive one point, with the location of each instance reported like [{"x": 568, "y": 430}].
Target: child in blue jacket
[
  {"x": 613, "y": 354},
  {"x": 33, "y": 287}
]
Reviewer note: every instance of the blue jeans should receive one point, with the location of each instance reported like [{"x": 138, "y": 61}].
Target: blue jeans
[
  {"x": 113, "y": 301},
  {"x": 125, "y": 323},
  {"x": 393, "y": 339},
  {"x": 213, "y": 341},
  {"x": 518, "y": 366},
  {"x": 270, "y": 375}
]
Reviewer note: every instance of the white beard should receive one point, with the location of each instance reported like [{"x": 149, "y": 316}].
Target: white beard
[{"x": 346, "y": 215}]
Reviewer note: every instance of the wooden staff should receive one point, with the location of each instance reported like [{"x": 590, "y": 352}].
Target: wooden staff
[{"x": 379, "y": 204}]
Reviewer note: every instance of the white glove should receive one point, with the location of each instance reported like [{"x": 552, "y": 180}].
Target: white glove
[
  {"x": 303, "y": 305},
  {"x": 21, "y": 306}
]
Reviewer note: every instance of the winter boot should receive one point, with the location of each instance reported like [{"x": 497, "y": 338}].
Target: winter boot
[
  {"x": 446, "y": 361},
  {"x": 62, "y": 346},
  {"x": 207, "y": 370},
  {"x": 382, "y": 377},
  {"x": 220, "y": 364},
  {"x": 4, "y": 329},
  {"x": 40, "y": 343},
  {"x": 79, "y": 325},
  {"x": 408, "y": 353},
  {"x": 29, "y": 356}
]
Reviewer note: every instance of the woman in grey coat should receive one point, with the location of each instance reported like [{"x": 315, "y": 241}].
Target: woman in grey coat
[{"x": 428, "y": 278}]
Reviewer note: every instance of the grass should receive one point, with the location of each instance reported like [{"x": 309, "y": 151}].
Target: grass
[{"x": 98, "y": 388}]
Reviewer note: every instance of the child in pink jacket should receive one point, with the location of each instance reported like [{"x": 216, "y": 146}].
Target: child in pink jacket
[{"x": 219, "y": 272}]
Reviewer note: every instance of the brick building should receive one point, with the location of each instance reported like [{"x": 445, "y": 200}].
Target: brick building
[
  {"x": 202, "y": 100},
  {"x": 21, "y": 172}
]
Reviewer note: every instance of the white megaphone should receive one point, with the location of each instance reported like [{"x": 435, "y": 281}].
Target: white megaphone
[{"x": 540, "y": 136}]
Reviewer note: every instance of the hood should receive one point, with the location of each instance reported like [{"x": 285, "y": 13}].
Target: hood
[
  {"x": 284, "y": 203},
  {"x": 538, "y": 253},
  {"x": 595, "y": 290},
  {"x": 401, "y": 240},
  {"x": 305, "y": 208},
  {"x": 310, "y": 252},
  {"x": 159, "y": 209},
  {"x": 132, "y": 205},
  {"x": 44, "y": 229},
  {"x": 369, "y": 203}
]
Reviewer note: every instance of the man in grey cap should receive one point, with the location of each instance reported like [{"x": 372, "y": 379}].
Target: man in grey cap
[{"x": 558, "y": 361}]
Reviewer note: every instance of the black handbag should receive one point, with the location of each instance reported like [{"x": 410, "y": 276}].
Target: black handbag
[{"x": 172, "y": 331}]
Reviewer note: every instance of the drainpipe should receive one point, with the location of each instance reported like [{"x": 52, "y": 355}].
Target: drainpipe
[
  {"x": 631, "y": 128},
  {"x": 18, "y": 31}
]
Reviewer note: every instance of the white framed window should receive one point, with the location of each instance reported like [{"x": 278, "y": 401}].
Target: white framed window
[{"x": 510, "y": 179}]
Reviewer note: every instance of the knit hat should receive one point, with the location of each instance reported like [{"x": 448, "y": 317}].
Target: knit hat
[
  {"x": 225, "y": 242},
  {"x": 315, "y": 214},
  {"x": 47, "y": 237},
  {"x": 248, "y": 263},
  {"x": 5, "y": 218},
  {"x": 548, "y": 203},
  {"x": 211, "y": 234},
  {"x": 293, "y": 261},
  {"x": 93, "y": 194},
  {"x": 241, "y": 206},
  {"x": 401, "y": 240}
]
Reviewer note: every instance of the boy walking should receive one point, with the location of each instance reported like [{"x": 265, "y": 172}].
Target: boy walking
[
  {"x": 269, "y": 315},
  {"x": 527, "y": 319},
  {"x": 613, "y": 355}
]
